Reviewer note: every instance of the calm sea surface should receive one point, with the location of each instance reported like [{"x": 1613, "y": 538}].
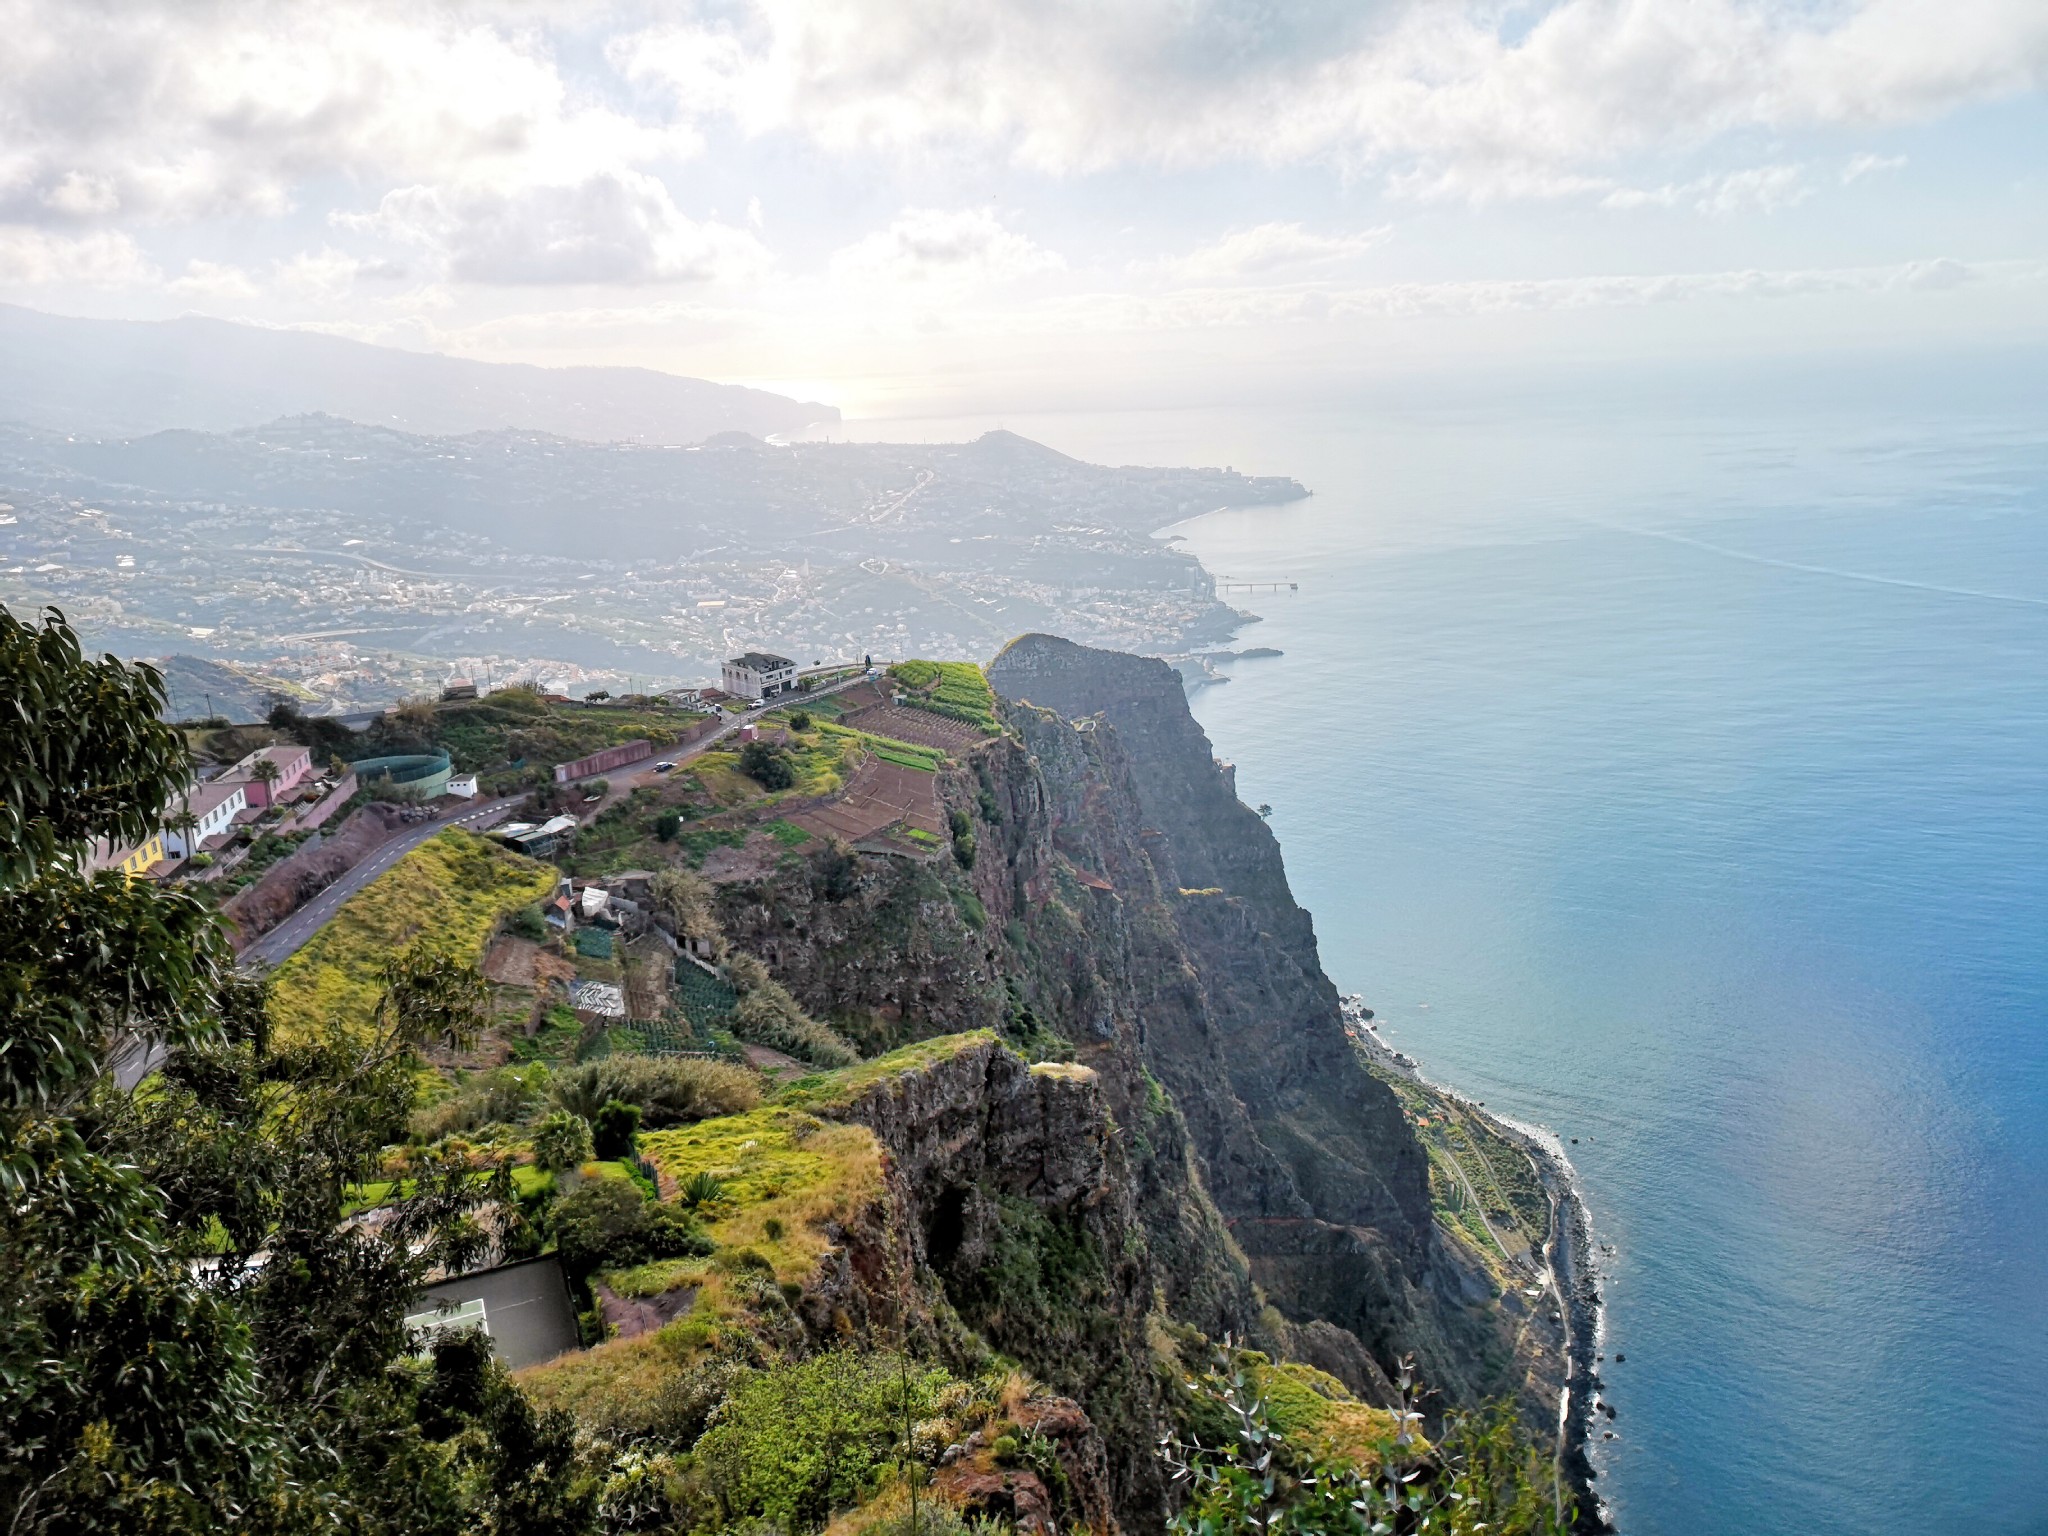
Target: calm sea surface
[{"x": 1682, "y": 784}]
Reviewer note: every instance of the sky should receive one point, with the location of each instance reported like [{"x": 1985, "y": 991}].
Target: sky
[{"x": 964, "y": 205}]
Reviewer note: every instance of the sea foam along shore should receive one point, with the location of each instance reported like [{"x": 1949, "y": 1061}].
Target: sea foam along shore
[{"x": 1571, "y": 1259}]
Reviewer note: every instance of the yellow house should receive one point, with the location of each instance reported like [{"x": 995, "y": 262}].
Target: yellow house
[{"x": 132, "y": 860}]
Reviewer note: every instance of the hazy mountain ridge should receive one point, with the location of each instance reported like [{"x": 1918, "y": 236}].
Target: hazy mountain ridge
[{"x": 130, "y": 377}]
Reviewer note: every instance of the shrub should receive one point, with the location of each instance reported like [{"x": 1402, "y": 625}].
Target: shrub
[
  {"x": 561, "y": 1140},
  {"x": 527, "y": 923},
  {"x": 701, "y": 1189},
  {"x": 611, "y": 1224},
  {"x": 767, "y": 765},
  {"x": 795, "y": 1440},
  {"x": 667, "y": 825},
  {"x": 767, "y": 1015},
  {"x": 666, "y": 1090},
  {"x": 502, "y": 1097},
  {"x": 1483, "y": 1474},
  {"x": 836, "y": 870},
  {"x": 800, "y": 720},
  {"x": 964, "y": 849},
  {"x": 613, "y": 1128}
]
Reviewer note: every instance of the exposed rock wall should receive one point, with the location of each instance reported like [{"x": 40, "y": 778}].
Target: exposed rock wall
[
  {"x": 1324, "y": 1187},
  {"x": 1020, "y": 1202},
  {"x": 1123, "y": 900}
]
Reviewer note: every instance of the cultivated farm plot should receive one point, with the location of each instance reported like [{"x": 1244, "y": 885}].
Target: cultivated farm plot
[
  {"x": 919, "y": 727},
  {"x": 879, "y": 796}
]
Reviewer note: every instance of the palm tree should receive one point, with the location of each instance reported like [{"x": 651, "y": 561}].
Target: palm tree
[
  {"x": 185, "y": 824},
  {"x": 267, "y": 774}
]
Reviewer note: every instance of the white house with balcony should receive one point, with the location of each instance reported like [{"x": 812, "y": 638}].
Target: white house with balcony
[{"x": 759, "y": 675}]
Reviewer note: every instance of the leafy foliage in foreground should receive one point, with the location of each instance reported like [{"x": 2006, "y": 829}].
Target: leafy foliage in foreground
[
  {"x": 1482, "y": 1476},
  {"x": 192, "y": 1340},
  {"x": 797, "y": 1440}
]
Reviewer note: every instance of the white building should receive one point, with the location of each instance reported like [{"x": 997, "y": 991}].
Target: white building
[
  {"x": 758, "y": 675},
  {"x": 463, "y": 786},
  {"x": 213, "y": 807}
]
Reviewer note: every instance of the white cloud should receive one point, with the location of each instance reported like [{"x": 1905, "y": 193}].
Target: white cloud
[
  {"x": 614, "y": 227},
  {"x": 34, "y": 257},
  {"x": 1932, "y": 276},
  {"x": 1766, "y": 188},
  {"x": 1199, "y": 308},
  {"x": 1433, "y": 92},
  {"x": 214, "y": 280},
  {"x": 950, "y": 248},
  {"x": 1263, "y": 249},
  {"x": 185, "y": 109},
  {"x": 1870, "y": 165}
]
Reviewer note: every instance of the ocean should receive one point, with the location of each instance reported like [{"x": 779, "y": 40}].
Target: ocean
[{"x": 1678, "y": 780}]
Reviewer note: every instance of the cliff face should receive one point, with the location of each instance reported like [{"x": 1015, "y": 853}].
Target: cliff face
[
  {"x": 1306, "y": 1154},
  {"x": 1021, "y": 1207},
  {"x": 1219, "y": 1153}
]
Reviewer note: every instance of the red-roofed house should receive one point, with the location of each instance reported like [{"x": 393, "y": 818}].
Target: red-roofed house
[{"x": 294, "y": 763}]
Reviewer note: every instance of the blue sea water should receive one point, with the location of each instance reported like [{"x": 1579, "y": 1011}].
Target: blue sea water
[{"x": 1680, "y": 783}]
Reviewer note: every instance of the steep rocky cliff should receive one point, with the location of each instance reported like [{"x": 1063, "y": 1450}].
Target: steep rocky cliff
[{"x": 1123, "y": 909}]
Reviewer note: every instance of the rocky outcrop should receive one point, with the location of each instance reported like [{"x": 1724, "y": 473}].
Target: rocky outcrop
[
  {"x": 1019, "y": 1202},
  {"x": 984, "y": 1476},
  {"x": 1306, "y": 1154},
  {"x": 1224, "y": 1157}
]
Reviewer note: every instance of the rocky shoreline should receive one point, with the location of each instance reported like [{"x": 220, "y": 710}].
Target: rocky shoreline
[{"x": 1569, "y": 1255}]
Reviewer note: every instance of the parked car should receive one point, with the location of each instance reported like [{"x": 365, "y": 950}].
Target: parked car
[{"x": 663, "y": 767}]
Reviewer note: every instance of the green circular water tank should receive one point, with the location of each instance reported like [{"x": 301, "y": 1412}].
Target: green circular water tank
[{"x": 416, "y": 776}]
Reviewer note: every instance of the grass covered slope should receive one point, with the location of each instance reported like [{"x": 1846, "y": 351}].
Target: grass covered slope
[
  {"x": 453, "y": 888},
  {"x": 773, "y": 1188}
]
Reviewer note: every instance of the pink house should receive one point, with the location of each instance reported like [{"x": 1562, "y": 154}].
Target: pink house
[{"x": 293, "y": 765}]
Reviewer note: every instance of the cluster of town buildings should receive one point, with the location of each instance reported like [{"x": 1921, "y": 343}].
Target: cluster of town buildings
[
  {"x": 205, "y": 818},
  {"x": 208, "y": 815}
]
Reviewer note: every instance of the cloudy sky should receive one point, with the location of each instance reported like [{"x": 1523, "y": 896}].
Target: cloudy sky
[{"x": 962, "y": 204}]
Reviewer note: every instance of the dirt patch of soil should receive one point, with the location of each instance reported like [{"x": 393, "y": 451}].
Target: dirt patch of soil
[
  {"x": 879, "y": 796},
  {"x": 630, "y": 1316},
  {"x": 773, "y": 1063},
  {"x": 511, "y": 962},
  {"x": 919, "y": 727}
]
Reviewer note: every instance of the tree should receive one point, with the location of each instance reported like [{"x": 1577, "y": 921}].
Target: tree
[
  {"x": 267, "y": 773},
  {"x": 192, "y": 1339},
  {"x": 609, "y": 1223},
  {"x": 561, "y": 1140},
  {"x": 767, "y": 765},
  {"x": 800, "y": 720},
  {"x": 685, "y": 897},
  {"x": 184, "y": 824},
  {"x": 668, "y": 825},
  {"x": 612, "y": 1132}
]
